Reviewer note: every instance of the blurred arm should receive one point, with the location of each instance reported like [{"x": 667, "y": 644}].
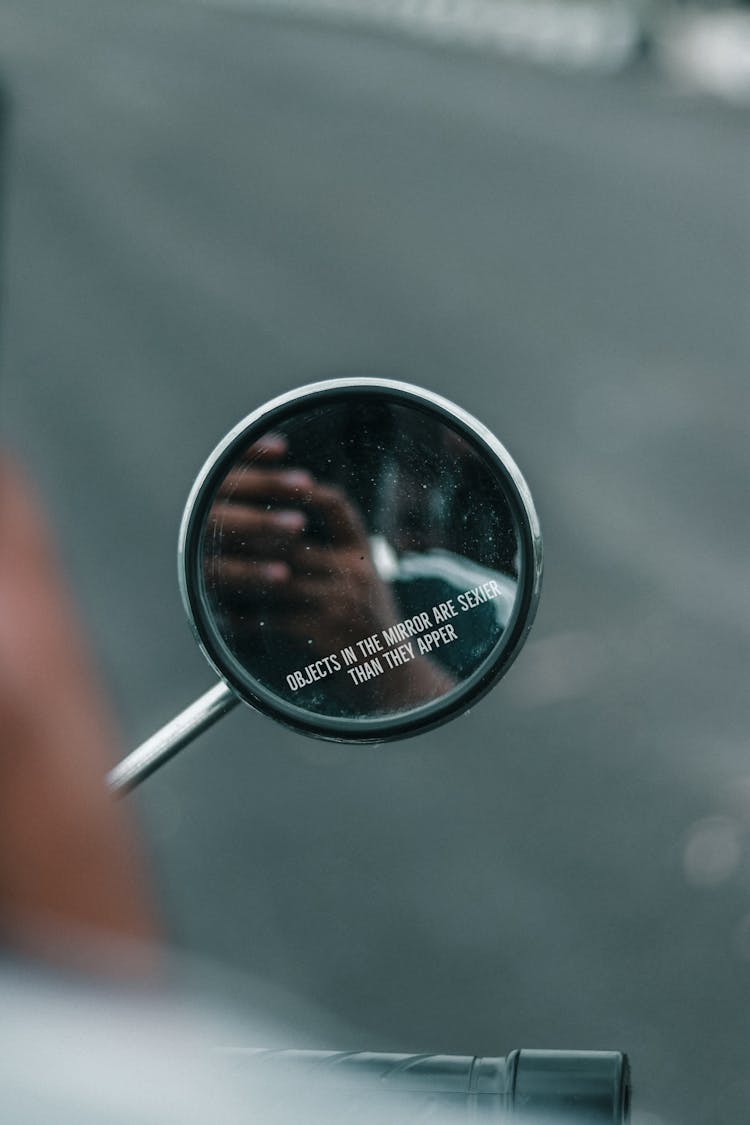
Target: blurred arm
[{"x": 69, "y": 865}]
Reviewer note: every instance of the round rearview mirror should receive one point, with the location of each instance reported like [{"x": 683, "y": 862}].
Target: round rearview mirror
[{"x": 359, "y": 559}]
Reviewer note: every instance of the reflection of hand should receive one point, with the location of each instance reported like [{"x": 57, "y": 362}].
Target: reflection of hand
[
  {"x": 290, "y": 554},
  {"x": 69, "y": 869},
  {"x": 335, "y": 596},
  {"x": 255, "y": 518},
  {"x": 288, "y": 557}
]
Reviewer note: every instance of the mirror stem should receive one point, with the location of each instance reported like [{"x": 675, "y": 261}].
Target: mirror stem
[{"x": 163, "y": 745}]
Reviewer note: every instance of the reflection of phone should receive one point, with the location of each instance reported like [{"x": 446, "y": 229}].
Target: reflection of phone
[
  {"x": 316, "y": 529},
  {"x": 338, "y": 449},
  {"x": 317, "y": 449},
  {"x": 336, "y": 458}
]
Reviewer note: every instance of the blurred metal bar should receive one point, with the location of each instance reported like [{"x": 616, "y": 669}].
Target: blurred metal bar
[
  {"x": 543, "y": 1087},
  {"x": 172, "y": 738}
]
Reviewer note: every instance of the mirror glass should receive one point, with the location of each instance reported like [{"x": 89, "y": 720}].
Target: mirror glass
[{"x": 357, "y": 561}]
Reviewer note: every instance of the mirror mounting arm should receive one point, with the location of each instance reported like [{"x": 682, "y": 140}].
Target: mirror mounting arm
[
  {"x": 282, "y": 547},
  {"x": 178, "y": 733}
]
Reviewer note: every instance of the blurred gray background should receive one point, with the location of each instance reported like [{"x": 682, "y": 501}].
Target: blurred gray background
[{"x": 208, "y": 206}]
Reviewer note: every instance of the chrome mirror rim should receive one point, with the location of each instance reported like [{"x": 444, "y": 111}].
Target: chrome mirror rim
[{"x": 424, "y": 716}]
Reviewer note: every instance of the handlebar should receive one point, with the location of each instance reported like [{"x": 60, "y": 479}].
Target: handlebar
[{"x": 546, "y": 1087}]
